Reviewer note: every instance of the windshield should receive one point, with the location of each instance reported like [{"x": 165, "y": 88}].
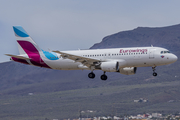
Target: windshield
[{"x": 164, "y": 52}]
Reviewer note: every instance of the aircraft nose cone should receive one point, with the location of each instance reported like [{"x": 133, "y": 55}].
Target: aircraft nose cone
[{"x": 174, "y": 58}]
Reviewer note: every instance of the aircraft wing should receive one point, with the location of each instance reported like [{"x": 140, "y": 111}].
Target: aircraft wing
[
  {"x": 19, "y": 57},
  {"x": 84, "y": 60}
]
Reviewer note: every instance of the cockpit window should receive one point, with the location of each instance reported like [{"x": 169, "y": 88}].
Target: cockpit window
[{"x": 164, "y": 52}]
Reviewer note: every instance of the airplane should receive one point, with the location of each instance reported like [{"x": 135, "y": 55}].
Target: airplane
[{"x": 121, "y": 60}]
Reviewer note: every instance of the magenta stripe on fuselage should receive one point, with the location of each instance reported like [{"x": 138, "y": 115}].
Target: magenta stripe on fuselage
[{"x": 33, "y": 53}]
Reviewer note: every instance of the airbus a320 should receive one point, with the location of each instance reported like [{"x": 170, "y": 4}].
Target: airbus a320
[{"x": 121, "y": 60}]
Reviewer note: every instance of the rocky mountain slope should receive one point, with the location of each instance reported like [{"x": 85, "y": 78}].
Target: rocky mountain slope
[{"x": 166, "y": 37}]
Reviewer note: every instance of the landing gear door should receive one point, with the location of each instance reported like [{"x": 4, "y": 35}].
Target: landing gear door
[{"x": 151, "y": 53}]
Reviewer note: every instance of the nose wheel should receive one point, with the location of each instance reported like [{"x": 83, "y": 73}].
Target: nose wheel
[
  {"x": 154, "y": 73},
  {"x": 104, "y": 76},
  {"x": 91, "y": 75}
]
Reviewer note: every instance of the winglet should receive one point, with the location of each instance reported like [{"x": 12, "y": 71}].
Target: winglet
[{"x": 57, "y": 52}]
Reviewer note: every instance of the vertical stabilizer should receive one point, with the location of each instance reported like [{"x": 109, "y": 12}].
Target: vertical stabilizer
[{"x": 26, "y": 45}]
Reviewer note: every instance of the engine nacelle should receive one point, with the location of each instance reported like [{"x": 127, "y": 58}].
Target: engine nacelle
[
  {"x": 112, "y": 66},
  {"x": 128, "y": 70}
]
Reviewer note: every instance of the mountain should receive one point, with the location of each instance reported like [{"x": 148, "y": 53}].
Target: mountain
[
  {"x": 166, "y": 37},
  {"x": 62, "y": 94}
]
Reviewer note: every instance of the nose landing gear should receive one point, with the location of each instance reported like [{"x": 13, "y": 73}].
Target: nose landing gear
[{"x": 154, "y": 73}]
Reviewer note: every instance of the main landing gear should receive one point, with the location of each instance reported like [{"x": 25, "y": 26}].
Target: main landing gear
[
  {"x": 104, "y": 76},
  {"x": 154, "y": 73},
  {"x": 92, "y": 75}
]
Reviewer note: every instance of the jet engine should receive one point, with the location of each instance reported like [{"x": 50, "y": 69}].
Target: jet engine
[
  {"x": 128, "y": 70},
  {"x": 112, "y": 66}
]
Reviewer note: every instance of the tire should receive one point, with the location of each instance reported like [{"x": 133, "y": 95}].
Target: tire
[
  {"x": 103, "y": 77},
  {"x": 91, "y": 75},
  {"x": 154, "y": 74}
]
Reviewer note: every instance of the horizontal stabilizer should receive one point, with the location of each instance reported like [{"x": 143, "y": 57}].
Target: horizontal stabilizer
[{"x": 19, "y": 57}]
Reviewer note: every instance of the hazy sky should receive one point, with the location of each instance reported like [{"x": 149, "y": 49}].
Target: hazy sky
[{"x": 73, "y": 24}]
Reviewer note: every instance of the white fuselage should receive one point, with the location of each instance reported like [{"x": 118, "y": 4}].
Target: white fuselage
[
  {"x": 127, "y": 57},
  {"x": 122, "y": 60}
]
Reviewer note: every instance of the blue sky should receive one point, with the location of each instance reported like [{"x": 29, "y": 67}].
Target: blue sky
[{"x": 73, "y": 24}]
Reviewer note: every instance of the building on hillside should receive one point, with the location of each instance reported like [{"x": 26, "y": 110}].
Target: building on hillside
[
  {"x": 141, "y": 100},
  {"x": 156, "y": 115}
]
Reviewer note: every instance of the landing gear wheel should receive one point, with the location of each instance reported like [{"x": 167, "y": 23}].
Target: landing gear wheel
[
  {"x": 103, "y": 77},
  {"x": 154, "y": 74},
  {"x": 91, "y": 75}
]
